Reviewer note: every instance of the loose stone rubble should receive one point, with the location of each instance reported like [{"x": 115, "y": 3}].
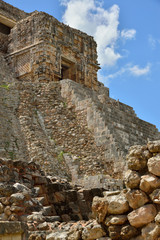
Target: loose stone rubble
[
  {"x": 137, "y": 215},
  {"x": 54, "y": 113},
  {"x": 54, "y": 110},
  {"x": 40, "y": 207}
]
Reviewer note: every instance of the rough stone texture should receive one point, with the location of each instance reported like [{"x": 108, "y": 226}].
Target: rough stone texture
[
  {"x": 151, "y": 231},
  {"x": 100, "y": 208},
  {"x": 73, "y": 129},
  {"x": 155, "y": 196},
  {"x": 11, "y": 227},
  {"x": 132, "y": 179},
  {"x": 154, "y": 146},
  {"x": 54, "y": 51},
  {"x": 101, "y": 116},
  {"x": 10, "y": 12},
  {"x": 149, "y": 182},
  {"x": 142, "y": 215},
  {"x": 44, "y": 203},
  {"x": 136, "y": 198},
  {"x": 117, "y": 204},
  {"x": 115, "y": 220},
  {"x": 93, "y": 231},
  {"x": 154, "y": 165}
]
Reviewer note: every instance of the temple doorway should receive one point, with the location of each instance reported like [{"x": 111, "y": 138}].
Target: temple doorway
[{"x": 68, "y": 69}]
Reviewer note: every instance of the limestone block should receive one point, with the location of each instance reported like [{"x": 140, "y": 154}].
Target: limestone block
[
  {"x": 75, "y": 232},
  {"x": 154, "y": 146},
  {"x": 11, "y": 227},
  {"x": 4, "y": 200},
  {"x": 76, "y": 235},
  {"x": 115, "y": 220},
  {"x": 132, "y": 179},
  {"x": 43, "y": 226},
  {"x": 154, "y": 165},
  {"x": 136, "y": 198},
  {"x": 142, "y": 215},
  {"x": 17, "y": 209},
  {"x": 117, "y": 204},
  {"x": 128, "y": 231},
  {"x": 99, "y": 208},
  {"x": 57, "y": 236},
  {"x": 93, "y": 231},
  {"x": 36, "y": 216},
  {"x": 139, "y": 152},
  {"x": 17, "y": 198},
  {"x": 114, "y": 232},
  {"x": 155, "y": 196},
  {"x": 11, "y": 237},
  {"x": 149, "y": 182},
  {"x": 125, "y": 232},
  {"x": 7, "y": 211},
  {"x": 137, "y": 164},
  {"x": 151, "y": 231},
  {"x": 21, "y": 188},
  {"x": 6, "y": 190}
]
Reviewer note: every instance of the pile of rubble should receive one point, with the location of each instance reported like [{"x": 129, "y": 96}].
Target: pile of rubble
[
  {"x": 40, "y": 207},
  {"x": 36, "y": 205},
  {"x": 134, "y": 213}
]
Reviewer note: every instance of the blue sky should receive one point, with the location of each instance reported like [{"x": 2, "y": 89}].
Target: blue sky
[{"x": 128, "y": 37}]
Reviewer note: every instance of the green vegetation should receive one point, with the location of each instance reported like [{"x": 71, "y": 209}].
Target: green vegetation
[
  {"x": 64, "y": 104},
  {"x": 60, "y": 156},
  {"x": 5, "y": 86}
]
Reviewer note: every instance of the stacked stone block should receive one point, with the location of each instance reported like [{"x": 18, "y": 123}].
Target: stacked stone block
[
  {"x": 43, "y": 204},
  {"x": 134, "y": 213},
  {"x": 42, "y": 49}
]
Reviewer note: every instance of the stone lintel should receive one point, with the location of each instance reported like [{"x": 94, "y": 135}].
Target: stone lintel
[{"x": 7, "y": 21}]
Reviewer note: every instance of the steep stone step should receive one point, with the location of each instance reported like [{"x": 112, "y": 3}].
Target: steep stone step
[{"x": 115, "y": 125}]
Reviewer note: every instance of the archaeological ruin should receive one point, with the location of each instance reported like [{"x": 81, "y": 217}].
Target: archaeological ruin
[{"x": 64, "y": 142}]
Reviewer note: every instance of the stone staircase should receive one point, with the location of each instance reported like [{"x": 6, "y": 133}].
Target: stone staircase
[{"x": 115, "y": 125}]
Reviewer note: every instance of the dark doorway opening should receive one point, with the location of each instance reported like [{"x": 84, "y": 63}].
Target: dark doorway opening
[
  {"x": 4, "y": 29},
  {"x": 64, "y": 72},
  {"x": 68, "y": 69}
]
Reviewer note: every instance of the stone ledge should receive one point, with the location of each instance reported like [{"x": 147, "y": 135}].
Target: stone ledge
[{"x": 7, "y": 227}]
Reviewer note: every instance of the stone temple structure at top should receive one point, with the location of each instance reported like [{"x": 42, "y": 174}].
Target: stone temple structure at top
[
  {"x": 43, "y": 49},
  {"x": 56, "y": 108}
]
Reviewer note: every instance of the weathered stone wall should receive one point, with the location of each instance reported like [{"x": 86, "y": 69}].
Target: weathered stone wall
[
  {"x": 12, "y": 141},
  {"x": 134, "y": 213},
  {"x": 3, "y": 42},
  {"x": 37, "y": 204},
  {"x": 114, "y": 125},
  {"x": 54, "y": 135},
  {"x": 11, "y": 12},
  {"x": 43, "y": 49},
  {"x": 83, "y": 133},
  {"x": 36, "y": 207}
]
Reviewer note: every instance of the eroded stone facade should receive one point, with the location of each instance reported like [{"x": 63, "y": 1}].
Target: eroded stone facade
[
  {"x": 71, "y": 127},
  {"x": 54, "y": 112},
  {"x": 41, "y": 49}
]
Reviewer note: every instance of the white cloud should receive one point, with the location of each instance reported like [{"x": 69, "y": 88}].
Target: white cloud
[
  {"x": 127, "y": 69},
  {"x": 137, "y": 71},
  {"x": 90, "y": 16},
  {"x": 128, "y": 34}
]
